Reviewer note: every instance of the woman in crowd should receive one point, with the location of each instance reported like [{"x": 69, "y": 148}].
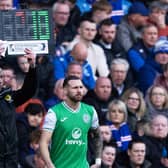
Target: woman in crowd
[
  {"x": 136, "y": 107},
  {"x": 117, "y": 120},
  {"x": 157, "y": 101}
]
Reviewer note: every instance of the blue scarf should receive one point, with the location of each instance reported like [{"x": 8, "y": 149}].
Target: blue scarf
[{"x": 121, "y": 135}]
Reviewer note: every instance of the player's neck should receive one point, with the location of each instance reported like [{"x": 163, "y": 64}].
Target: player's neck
[{"x": 72, "y": 105}]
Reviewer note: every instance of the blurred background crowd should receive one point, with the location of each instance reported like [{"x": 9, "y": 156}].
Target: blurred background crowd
[{"x": 119, "y": 49}]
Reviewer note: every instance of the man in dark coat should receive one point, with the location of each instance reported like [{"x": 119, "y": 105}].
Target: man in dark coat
[
  {"x": 100, "y": 97},
  {"x": 8, "y": 101},
  {"x": 136, "y": 155},
  {"x": 157, "y": 142}
]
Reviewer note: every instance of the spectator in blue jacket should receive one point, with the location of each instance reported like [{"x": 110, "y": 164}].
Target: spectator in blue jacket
[
  {"x": 141, "y": 53},
  {"x": 58, "y": 94},
  {"x": 78, "y": 54},
  {"x": 153, "y": 67},
  {"x": 143, "y": 48}
]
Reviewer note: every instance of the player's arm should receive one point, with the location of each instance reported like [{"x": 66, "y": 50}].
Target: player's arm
[
  {"x": 48, "y": 128},
  {"x": 96, "y": 138},
  {"x": 44, "y": 143},
  {"x": 97, "y": 142}
]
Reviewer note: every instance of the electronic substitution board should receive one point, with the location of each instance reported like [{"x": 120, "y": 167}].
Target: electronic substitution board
[{"x": 31, "y": 29}]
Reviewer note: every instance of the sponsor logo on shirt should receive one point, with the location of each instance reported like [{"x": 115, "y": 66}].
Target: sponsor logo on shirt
[{"x": 76, "y": 134}]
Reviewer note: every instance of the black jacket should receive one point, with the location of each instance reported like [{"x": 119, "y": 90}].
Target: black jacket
[
  {"x": 115, "y": 52},
  {"x": 24, "y": 130},
  {"x": 65, "y": 34},
  {"x": 8, "y": 101},
  {"x": 115, "y": 93},
  {"x": 155, "y": 149},
  {"x": 46, "y": 80},
  {"x": 75, "y": 15},
  {"x": 146, "y": 164},
  {"x": 101, "y": 106}
]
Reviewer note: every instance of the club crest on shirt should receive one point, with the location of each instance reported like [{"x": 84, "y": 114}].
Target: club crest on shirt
[{"x": 86, "y": 118}]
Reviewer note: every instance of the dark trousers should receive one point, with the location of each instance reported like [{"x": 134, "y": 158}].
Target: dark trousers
[{"x": 8, "y": 161}]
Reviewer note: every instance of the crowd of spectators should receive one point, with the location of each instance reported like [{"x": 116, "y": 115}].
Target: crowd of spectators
[{"x": 119, "y": 49}]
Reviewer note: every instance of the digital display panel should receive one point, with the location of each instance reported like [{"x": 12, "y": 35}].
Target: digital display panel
[{"x": 27, "y": 25}]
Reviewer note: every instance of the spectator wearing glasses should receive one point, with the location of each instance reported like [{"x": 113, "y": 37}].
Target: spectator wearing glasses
[
  {"x": 63, "y": 31},
  {"x": 157, "y": 101},
  {"x": 136, "y": 107},
  {"x": 118, "y": 73}
]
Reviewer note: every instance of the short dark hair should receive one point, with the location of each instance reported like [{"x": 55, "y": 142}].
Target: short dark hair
[
  {"x": 83, "y": 19},
  {"x": 8, "y": 67},
  {"x": 69, "y": 78},
  {"x": 134, "y": 141},
  {"x": 106, "y": 22},
  {"x": 109, "y": 144},
  {"x": 34, "y": 108}
]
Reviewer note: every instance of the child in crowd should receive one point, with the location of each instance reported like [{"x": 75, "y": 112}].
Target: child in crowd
[{"x": 26, "y": 123}]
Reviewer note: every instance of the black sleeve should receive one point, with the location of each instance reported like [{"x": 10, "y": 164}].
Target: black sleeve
[
  {"x": 23, "y": 145},
  {"x": 28, "y": 89}
]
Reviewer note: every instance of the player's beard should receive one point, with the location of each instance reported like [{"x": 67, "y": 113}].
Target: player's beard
[{"x": 76, "y": 98}]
